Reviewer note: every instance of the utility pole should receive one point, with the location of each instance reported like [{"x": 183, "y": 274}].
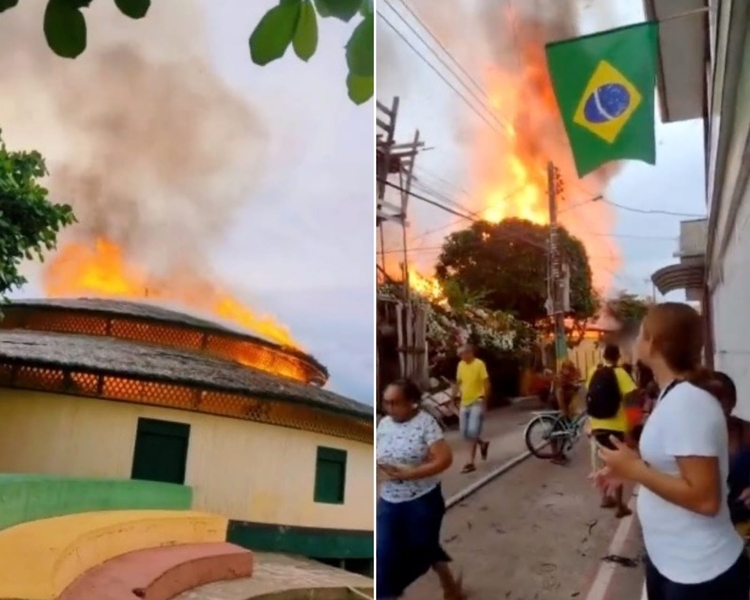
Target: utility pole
[{"x": 556, "y": 275}]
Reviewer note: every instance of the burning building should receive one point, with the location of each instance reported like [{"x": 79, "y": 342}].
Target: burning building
[{"x": 99, "y": 388}]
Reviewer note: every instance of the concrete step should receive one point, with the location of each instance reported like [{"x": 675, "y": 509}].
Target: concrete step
[
  {"x": 161, "y": 573},
  {"x": 38, "y": 560}
]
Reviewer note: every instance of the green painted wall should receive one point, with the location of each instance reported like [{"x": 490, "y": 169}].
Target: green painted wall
[
  {"x": 30, "y": 497},
  {"x": 306, "y": 541}
]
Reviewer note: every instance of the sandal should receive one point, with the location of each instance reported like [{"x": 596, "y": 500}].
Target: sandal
[{"x": 468, "y": 468}]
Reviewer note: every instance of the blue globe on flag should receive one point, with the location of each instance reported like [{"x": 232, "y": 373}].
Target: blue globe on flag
[{"x": 606, "y": 103}]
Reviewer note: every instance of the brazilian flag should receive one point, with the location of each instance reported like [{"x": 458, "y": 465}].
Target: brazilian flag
[{"x": 605, "y": 85}]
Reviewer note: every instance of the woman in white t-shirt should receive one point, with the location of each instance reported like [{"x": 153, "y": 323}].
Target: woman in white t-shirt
[
  {"x": 412, "y": 454},
  {"x": 694, "y": 552}
]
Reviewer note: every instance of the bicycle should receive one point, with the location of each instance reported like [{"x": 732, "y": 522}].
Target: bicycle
[{"x": 553, "y": 426}]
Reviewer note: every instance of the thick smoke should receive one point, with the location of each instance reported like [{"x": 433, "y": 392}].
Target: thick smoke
[
  {"x": 501, "y": 45},
  {"x": 142, "y": 137}
]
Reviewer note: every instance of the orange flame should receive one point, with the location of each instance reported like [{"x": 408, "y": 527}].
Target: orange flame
[
  {"x": 428, "y": 287},
  {"x": 509, "y": 170},
  {"x": 508, "y": 161},
  {"x": 100, "y": 270}
]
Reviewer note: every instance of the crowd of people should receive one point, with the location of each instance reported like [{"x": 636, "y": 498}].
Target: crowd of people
[{"x": 665, "y": 425}]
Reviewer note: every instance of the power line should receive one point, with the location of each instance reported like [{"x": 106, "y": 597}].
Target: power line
[
  {"x": 485, "y": 102},
  {"x": 421, "y": 172},
  {"x": 437, "y": 248},
  {"x": 632, "y": 236},
  {"x": 653, "y": 211},
  {"x": 594, "y": 233},
  {"x": 439, "y": 74},
  {"x": 644, "y": 211},
  {"x": 512, "y": 236},
  {"x": 424, "y": 26},
  {"x": 475, "y": 217},
  {"x": 475, "y": 213},
  {"x": 474, "y": 95},
  {"x": 444, "y": 197},
  {"x": 427, "y": 200}
]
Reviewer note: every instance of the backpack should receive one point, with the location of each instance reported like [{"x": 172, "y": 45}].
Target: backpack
[{"x": 603, "y": 396}]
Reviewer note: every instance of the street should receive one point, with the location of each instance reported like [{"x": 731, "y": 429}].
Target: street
[{"x": 534, "y": 533}]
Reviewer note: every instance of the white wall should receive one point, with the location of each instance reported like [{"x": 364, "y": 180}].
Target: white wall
[{"x": 731, "y": 295}]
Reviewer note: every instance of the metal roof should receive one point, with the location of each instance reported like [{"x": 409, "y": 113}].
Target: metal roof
[{"x": 682, "y": 276}]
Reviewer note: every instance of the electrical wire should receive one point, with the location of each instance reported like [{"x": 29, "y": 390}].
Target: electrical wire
[
  {"x": 453, "y": 59},
  {"x": 421, "y": 172},
  {"x": 594, "y": 233},
  {"x": 643, "y": 211},
  {"x": 473, "y": 94},
  {"x": 654, "y": 211},
  {"x": 439, "y": 74},
  {"x": 475, "y": 217}
]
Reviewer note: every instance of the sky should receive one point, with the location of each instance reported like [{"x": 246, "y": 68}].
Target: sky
[
  {"x": 297, "y": 243},
  {"x": 675, "y": 184},
  {"x": 304, "y": 244}
]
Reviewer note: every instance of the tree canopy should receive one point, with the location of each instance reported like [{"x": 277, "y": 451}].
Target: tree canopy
[
  {"x": 289, "y": 23},
  {"x": 506, "y": 265},
  {"x": 628, "y": 308},
  {"x": 29, "y": 221}
]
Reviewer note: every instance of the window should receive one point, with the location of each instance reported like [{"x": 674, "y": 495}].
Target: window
[
  {"x": 160, "y": 451},
  {"x": 330, "y": 475}
]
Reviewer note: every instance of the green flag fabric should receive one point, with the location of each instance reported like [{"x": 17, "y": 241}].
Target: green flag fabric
[{"x": 605, "y": 85}]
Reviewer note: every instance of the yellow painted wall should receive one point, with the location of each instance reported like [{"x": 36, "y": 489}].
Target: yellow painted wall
[
  {"x": 241, "y": 469},
  {"x": 588, "y": 354},
  {"x": 585, "y": 356},
  {"x": 41, "y": 558}
]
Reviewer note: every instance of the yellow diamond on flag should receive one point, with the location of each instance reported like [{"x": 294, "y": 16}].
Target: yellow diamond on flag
[{"x": 607, "y": 104}]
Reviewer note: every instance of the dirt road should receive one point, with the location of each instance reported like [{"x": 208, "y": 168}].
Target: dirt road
[{"x": 535, "y": 533}]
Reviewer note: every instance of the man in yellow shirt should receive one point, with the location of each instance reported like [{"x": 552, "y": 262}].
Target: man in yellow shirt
[
  {"x": 472, "y": 388},
  {"x": 607, "y": 386}
]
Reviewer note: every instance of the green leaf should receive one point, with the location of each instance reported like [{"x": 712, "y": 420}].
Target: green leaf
[
  {"x": 341, "y": 9},
  {"x": 305, "y": 40},
  {"x": 274, "y": 33},
  {"x": 360, "y": 49},
  {"x": 135, "y": 9},
  {"x": 64, "y": 28},
  {"x": 6, "y": 4},
  {"x": 366, "y": 9},
  {"x": 360, "y": 89}
]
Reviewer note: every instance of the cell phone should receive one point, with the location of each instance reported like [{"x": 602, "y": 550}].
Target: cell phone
[
  {"x": 604, "y": 441},
  {"x": 606, "y": 444}
]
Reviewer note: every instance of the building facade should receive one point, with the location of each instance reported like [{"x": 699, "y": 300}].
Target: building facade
[
  {"x": 83, "y": 394},
  {"x": 705, "y": 73},
  {"x": 728, "y": 170}
]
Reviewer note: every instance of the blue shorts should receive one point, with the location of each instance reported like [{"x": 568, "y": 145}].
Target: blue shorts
[{"x": 471, "y": 419}]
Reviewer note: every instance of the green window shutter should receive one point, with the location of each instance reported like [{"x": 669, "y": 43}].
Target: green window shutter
[
  {"x": 330, "y": 475},
  {"x": 160, "y": 452}
]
